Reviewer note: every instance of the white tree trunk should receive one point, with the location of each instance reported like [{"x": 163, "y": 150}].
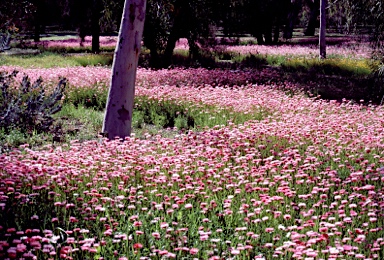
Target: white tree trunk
[
  {"x": 323, "y": 16},
  {"x": 118, "y": 115}
]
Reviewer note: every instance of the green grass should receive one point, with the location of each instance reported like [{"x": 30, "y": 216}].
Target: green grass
[
  {"x": 330, "y": 66},
  {"x": 79, "y": 123},
  {"x": 54, "y": 60},
  {"x": 58, "y": 37},
  {"x": 82, "y": 114}
]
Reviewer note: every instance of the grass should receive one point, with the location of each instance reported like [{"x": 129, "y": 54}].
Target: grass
[
  {"x": 331, "y": 66},
  {"x": 79, "y": 122},
  {"x": 74, "y": 50},
  {"x": 53, "y": 60}
]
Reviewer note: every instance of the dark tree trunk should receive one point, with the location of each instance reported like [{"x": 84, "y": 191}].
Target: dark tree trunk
[
  {"x": 314, "y": 13},
  {"x": 268, "y": 34},
  {"x": 96, "y": 15},
  {"x": 36, "y": 35},
  {"x": 193, "y": 48},
  {"x": 154, "y": 61},
  {"x": 82, "y": 34},
  {"x": 276, "y": 33},
  {"x": 81, "y": 16},
  {"x": 179, "y": 29},
  {"x": 322, "y": 33},
  {"x": 171, "y": 44},
  {"x": 37, "y": 21},
  {"x": 293, "y": 13},
  {"x": 150, "y": 43}
]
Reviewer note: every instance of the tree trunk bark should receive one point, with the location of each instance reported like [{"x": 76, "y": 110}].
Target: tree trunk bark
[
  {"x": 118, "y": 116},
  {"x": 323, "y": 16}
]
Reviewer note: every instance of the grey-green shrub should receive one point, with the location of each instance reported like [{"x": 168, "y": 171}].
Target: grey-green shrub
[{"x": 28, "y": 108}]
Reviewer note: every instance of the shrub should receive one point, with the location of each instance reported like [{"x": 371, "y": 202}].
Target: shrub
[{"x": 28, "y": 108}]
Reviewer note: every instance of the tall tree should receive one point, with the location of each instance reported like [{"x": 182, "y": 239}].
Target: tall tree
[
  {"x": 118, "y": 116},
  {"x": 323, "y": 16}
]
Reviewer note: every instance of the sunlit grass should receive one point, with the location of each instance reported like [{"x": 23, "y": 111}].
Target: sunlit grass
[
  {"x": 54, "y": 60},
  {"x": 330, "y": 66}
]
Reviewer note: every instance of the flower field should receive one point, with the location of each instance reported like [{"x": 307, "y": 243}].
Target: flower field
[
  {"x": 303, "y": 181},
  {"x": 354, "y": 49}
]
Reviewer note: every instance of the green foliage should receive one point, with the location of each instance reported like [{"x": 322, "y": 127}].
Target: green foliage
[
  {"x": 87, "y": 97},
  {"x": 160, "y": 113},
  {"x": 28, "y": 108},
  {"x": 184, "y": 116}
]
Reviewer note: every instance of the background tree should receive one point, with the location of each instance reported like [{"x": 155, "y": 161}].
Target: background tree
[
  {"x": 376, "y": 18},
  {"x": 16, "y": 15},
  {"x": 168, "y": 21},
  {"x": 231, "y": 17},
  {"x": 156, "y": 29}
]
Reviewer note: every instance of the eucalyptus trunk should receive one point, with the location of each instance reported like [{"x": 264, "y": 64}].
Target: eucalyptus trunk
[{"x": 118, "y": 116}]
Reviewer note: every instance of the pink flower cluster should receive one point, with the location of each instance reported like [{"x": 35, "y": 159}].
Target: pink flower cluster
[{"x": 358, "y": 51}]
